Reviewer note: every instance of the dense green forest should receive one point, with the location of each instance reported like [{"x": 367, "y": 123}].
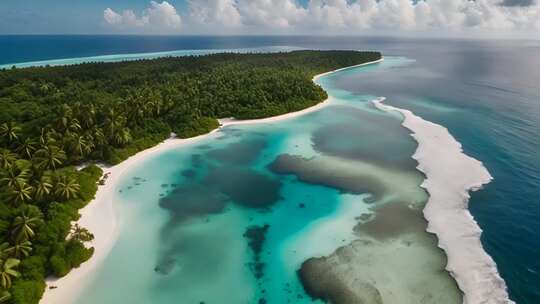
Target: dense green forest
[{"x": 53, "y": 118}]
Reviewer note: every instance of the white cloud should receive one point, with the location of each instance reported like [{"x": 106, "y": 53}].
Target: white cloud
[
  {"x": 162, "y": 15},
  {"x": 112, "y": 17},
  {"x": 215, "y": 12},
  {"x": 159, "y": 16},
  {"x": 333, "y": 16},
  {"x": 271, "y": 13},
  {"x": 424, "y": 15}
]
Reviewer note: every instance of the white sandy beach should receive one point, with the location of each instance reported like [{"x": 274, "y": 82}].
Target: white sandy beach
[
  {"x": 99, "y": 217},
  {"x": 450, "y": 175}
]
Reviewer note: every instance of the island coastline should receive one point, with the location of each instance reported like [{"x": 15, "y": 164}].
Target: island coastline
[{"x": 99, "y": 217}]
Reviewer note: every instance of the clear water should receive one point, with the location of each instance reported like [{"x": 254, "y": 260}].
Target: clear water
[
  {"x": 486, "y": 93},
  {"x": 184, "y": 214}
]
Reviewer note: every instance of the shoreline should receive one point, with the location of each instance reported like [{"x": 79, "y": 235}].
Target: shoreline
[
  {"x": 98, "y": 215},
  {"x": 139, "y": 56},
  {"x": 447, "y": 210},
  {"x": 99, "y": 218},
  {"x": 232, "y": 121}
]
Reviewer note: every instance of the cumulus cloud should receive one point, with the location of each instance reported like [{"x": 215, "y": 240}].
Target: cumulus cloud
[
  {"x": 273, "y": 14},
  {"x": 215, "y": 12},
  {"x": 337, "y": 16},
  {"x": 158, "y": 16},
  {"x": 350, "y": 15},
  {"x": 112, "y": 17}
]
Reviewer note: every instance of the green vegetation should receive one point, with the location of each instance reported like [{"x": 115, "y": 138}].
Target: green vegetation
[
  {"x": 55, "y": 117},
  {"x": 37, "y": 206}
]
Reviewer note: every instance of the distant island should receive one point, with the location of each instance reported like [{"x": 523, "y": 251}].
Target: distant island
[{"x": 54, "y": 118}]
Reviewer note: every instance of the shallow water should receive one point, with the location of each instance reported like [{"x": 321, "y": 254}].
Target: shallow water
[{"x": 231, "y": 218}]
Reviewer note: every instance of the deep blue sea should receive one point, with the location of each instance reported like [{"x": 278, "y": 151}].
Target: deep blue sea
[{"x": 487, "y": 93}]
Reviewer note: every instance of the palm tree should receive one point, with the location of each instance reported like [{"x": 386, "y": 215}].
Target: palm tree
[
  {"x": 80, "y": 234},
  {"x": 73, "y": 126},
  {"x": 66, "y": 187},
  {"x": 24, "y": 225},
  {"x": 113, "y": 123},
  {"x": 18, "y": 172},
  {"x": 27, "y": 147},
  {"x": 20, "y": 192},
  {"x": 45, "y": 137},
  {"x": 20, "y": 249},
  {"x": 42, "y": 186},
  {"x": 49, "y": 157},
  {"x": 64, "y": 118},
  {"x": 87, "y": 115},
  {"x": 3, "y": 250},
  {"x": 136, "y": 106},
  {"x": 45, "y": 87},
  {"x": 7, "y": 158},
  {"x": 98, "y": 137},
  {"x": 167, "y": 100},
  {"x": 152, "y": 102},
  {"x": 80, "y": 145},
  {"x": 7, "y": 271},
  {"x": 4, "y": 296},
  {"x": 122, "y": 137},
  {"x": 9, "y": 131}
]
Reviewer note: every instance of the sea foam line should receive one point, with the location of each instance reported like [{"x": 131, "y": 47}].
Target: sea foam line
[{"x": 450, "y": 175}]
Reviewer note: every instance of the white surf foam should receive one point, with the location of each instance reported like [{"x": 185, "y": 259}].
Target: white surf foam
[{"x": 450, "y": 175}]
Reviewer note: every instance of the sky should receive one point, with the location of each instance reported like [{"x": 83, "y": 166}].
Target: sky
[{"x": 216, "y": 17}]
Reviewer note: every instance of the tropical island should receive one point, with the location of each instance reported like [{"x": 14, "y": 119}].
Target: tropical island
[{"x": 55, "y": 118}]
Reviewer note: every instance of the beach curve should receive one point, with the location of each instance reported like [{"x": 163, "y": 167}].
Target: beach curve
[
  {"x": 98, "y": 215},
  {"x": 447, "y": 208}
]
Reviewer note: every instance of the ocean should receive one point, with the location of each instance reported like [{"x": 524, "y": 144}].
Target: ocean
[{"x": 487, "y": 93}]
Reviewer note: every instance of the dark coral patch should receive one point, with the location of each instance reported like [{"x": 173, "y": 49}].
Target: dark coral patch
[
  {"x": 193, "y": 200},
  {"x": 313, "y": 171},
  {"x": 256, "y": 235},
  {"x": 245, "y": 187},
  {"x": 196, "y": 160},
  {"x": 320, "y": 282},
  {"x": 189, "y": 173},
  {"x": 203, "y": 147},
  {"x": 165, "y": 267},
  {"x": 239, "y": 153},
  {"x": 356, "y": 139},
  {"x": 392, "y": 220}
]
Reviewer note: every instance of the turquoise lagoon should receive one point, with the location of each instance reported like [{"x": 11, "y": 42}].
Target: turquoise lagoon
[{"x": 232, "y": 217}]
